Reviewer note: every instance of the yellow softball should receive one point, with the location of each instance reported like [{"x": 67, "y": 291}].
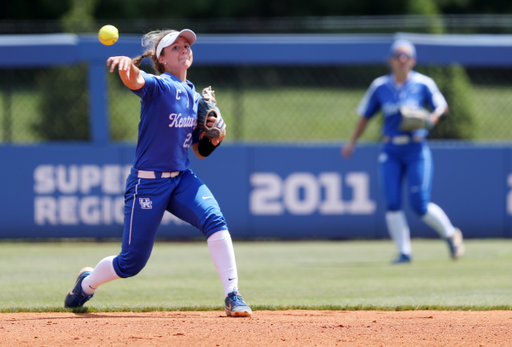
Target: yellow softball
[{"x": 108, "y": 35}]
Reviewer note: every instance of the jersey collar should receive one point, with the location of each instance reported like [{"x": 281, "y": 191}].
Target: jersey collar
[
  {"x": 177, "y": 80},
  {"x": 400, "y": 85}
]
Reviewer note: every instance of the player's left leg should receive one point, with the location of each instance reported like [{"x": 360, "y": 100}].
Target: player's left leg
[
  {"x": 222, "y": 253},
  {"x": 419, "y": 175},
  {"x": 439, "y": 221},
  {"x": 194, "y": 202}
]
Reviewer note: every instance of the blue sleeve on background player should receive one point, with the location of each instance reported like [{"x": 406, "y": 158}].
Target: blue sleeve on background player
[
  {"x": 435, "y": 98},
  {"x": 370, "y": 103},
  {"x": 432, "y": 96}
]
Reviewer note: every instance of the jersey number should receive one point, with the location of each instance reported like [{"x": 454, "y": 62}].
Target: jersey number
[{"x": 188, "y": 141}]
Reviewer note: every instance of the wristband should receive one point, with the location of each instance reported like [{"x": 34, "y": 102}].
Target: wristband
[{"x": 205, "y": 147}]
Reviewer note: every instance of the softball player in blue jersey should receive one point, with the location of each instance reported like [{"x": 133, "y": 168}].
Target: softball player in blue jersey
[
  {"x": 161, "y": 179},
  {"x": 406, "y": 155}
]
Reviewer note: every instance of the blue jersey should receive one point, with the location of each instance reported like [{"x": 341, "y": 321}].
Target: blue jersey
[
  {"x": 168, "y": 123},
  {"x": 386, "y": 95},
  {"x": 167, "y": 129}
]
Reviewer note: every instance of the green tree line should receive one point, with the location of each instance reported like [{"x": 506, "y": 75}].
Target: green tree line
[
  {"x": 452, "y": 80},
  {"x": 195, "y": 9}
]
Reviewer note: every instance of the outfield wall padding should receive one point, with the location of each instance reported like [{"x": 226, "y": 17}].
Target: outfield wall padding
[{"x": 265, "y": 191}]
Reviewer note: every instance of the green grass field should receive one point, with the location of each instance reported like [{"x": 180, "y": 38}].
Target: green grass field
[{"x": 273, "y": 275}]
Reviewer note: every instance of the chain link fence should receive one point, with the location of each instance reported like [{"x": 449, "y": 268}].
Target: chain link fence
[
  {"x": 44, "y": 104},
  {"x": 259, "y": 103},
  {"x": 448, "y": 24}
]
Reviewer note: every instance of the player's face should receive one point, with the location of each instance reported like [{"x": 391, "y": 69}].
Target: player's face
[
  {"x": 178, "y": 55},
  {"x": 402, "y": 60}
]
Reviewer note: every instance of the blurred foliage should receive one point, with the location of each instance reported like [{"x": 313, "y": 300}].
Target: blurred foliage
[
  {"x": 429, "y": 8},
  {"x": 131, "y": 9},
  {"x": 80, "y": 17},
  {"x": 154, "y": 9},
  {"x": 454, "y": 84},
  {"x": 34, "y": 9},
  {"x": 64, "y": 105}
]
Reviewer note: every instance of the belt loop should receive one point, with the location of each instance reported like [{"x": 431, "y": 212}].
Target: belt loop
[
  {"x": 156, "y": 174},
  {"x": 170, "y": 174},
  {"x": 146, "y": 174}
]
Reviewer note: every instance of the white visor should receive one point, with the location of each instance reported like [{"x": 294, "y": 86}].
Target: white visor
[{"x": 171, "y": 37}]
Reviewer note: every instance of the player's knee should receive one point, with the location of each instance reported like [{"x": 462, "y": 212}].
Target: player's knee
[
  {"x": 419, "y": 207},
  {"x": 213, "y": 224},
  {"x": 393, "y": 207},
  {"x": 129, "y": 266},
  {"x": 218, "y": 235}
]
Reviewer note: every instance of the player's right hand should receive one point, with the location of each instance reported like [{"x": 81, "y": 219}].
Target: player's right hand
[
  {"x": 347, "y": 150},
  {"x": 129, "y": 73},
  {"x": 123, "y": 63}
]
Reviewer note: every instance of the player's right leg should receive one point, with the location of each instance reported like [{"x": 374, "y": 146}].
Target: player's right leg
[
  {"x": 142, "y": 218},
  {"x": 76, "y": 297},
  {"x": 391, "y": 172},
  {"x": 399, "y": 231},
  {"x": 145, "y": 204},
  {"x": 88, "y": 281}
]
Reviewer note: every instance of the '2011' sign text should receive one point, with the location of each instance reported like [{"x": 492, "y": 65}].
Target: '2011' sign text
[{"x": 301, "y": 194}]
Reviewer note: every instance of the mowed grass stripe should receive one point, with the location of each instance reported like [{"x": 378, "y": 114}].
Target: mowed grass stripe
[{"x": 354, "y": 275}]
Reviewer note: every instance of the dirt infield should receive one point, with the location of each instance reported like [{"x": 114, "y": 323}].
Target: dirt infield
[{"x": 264, "y": 328}]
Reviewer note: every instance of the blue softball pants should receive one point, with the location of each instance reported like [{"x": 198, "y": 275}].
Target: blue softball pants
[
  {"x": 146, "y": 201},
  {"x": 411, "y": 162}
]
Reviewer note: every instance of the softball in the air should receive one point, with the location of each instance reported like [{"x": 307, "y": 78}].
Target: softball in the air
[{"x": 108, "y": 35}]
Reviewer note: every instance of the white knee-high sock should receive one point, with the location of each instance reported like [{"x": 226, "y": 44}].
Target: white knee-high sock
[
  {"x": 399, "y": 231},
  {"x": 438, "y": 220},
  {"x": 103, "y": 272},
  {"x": 223, "y": 256}
]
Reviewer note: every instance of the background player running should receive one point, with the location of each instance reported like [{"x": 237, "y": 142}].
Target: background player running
[
  {"x": 160, "y": 179},
  {"x": 405, "y": 154}
]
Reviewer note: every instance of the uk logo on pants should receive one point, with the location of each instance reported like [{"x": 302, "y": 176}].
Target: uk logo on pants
[{"x": 146, "y": 203}]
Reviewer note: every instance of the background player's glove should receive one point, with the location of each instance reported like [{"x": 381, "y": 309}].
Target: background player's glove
[
  {"x": 208, "y": 108},
  {"x": 415, "y": 118}
]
